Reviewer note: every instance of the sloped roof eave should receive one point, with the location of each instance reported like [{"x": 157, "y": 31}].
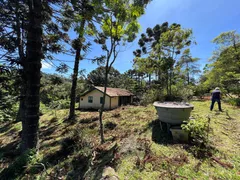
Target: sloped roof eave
[
  {"x": 111, "y": 92},
  {"x": 87, "y": 92}
]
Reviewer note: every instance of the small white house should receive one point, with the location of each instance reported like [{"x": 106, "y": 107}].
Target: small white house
[{"x": 115, "y": 97}]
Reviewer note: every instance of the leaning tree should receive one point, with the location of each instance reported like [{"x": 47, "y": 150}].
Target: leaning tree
[{"x": 119, "y": 27}]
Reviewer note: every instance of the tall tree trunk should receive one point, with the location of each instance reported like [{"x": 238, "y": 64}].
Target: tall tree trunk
[
  {"x": 21, "y": 109},
  {"x": 75, "y": 73},
  {"x": 32, "y": 68},
  {"x": 188, "y": 75},
  {"x": 103, "y": 104}
]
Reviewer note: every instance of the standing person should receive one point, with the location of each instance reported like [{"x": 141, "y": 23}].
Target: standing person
[{"x": 216, "y": 96}]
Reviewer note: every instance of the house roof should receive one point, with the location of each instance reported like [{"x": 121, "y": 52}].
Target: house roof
[{"x": 112, "y": 92}]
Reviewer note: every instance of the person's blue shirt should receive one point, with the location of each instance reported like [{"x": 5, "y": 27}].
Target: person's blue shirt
[{"x": 216, "y": 94}]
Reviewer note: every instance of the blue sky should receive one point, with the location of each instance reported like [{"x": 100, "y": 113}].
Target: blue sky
[{"x": 207, "y": 19}]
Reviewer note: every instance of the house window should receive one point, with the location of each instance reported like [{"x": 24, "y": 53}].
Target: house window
[
  {"x": 90, "y": 99},
  {"x": 101, "y": 100}
]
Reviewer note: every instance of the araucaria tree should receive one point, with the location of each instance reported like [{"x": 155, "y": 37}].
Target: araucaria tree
[
  {"x": 32, "y": 73},
  {"x": 82, "y": 15},
  {"x": 160, "y": 48},
  {"x": 28, "y": 34},
  {"x": 118, "y": 27},
  {"x": 13, "y": 38}
]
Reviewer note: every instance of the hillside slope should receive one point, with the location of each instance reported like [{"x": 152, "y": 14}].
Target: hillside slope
[{"x": 135, "y": 147}]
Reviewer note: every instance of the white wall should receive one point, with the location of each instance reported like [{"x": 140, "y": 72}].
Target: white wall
[{"x": 84, "y": 104}]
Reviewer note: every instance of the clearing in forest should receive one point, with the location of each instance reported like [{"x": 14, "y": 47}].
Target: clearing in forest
[{"x": 135, "y": 147}]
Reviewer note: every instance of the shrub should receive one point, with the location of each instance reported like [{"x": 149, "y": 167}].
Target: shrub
[
  {"x": 182, "y": 92},
  {"x": 234, "y": 101},
  {"x": 60, "y": 104},
  {"x": 199, "y": 130},
  {"x": 152, "y": 95}
]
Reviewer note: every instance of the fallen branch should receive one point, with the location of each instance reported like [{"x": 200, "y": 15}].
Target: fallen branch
[{"x": 223, "y": 164}]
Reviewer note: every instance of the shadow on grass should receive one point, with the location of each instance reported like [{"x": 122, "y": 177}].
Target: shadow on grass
[
  {"x": 160, "y": 136},
  {"x": 88, "y": 120},
  {"x": 104, "y": 158},
  {"x": 7, "y": 126},
  {"x": 16, "y": 169},
  {"x": 80, "y": 165},
  {"x": 47, "y": 131},
  {"x": 10, "y": 150},
  {"x": 67, "y": 148},
  {"x": 200, "y": 151}
]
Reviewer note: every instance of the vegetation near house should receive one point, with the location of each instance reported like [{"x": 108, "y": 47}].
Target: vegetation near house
[{"x": 100, "y": 123}]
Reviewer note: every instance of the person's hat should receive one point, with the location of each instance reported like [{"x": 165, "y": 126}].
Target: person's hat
[{"x": 217, "y": 88}]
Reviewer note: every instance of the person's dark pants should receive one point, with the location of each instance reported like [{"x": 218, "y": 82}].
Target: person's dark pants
[{"x": 219, "y": 104}]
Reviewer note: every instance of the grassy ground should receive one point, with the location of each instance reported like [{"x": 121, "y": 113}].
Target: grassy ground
[{"x": 135, "y": 147}]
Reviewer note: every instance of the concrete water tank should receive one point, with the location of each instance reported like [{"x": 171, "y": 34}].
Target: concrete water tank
[{"x": 173, "y": 113}]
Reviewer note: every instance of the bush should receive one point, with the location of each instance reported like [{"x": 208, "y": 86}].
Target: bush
[
  {"x": 152, "y": 95},
  {"x": 184, "y": 93},
  {"x": 234, "y": 101},
  {"x": 60, "y": 104},
  {"x": 199, "y": 130}
]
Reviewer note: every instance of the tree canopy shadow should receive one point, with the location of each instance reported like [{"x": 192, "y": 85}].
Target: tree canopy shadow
[
  {"x": 47, "y": 131},
  {"x": 88, "y": 120},
  {"x": 5, "y": 127}
]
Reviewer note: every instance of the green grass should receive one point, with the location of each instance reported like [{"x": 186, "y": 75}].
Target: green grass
[{"x": 135, "y": 146}]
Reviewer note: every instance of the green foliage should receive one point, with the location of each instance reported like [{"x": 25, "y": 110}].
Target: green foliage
[
  {"x": 200, "y": 90},
  {"x": 152, "y": 95},
  {"x": 199, "y": 130},
  {"x": 8, "y": 108},
  {"x": 233, "y": 101},
  {"x": 55, "y": 89},
  {"x": 224, "y": 71},
  {"x": 17, "y": 168},
  {"x": 8, "y": 95},
  {"x": 96, "y": 77},
  {"x": 59, "y": 104},
  {"x": 160, "y": 47},
  {"x": 182, "y": 92}
]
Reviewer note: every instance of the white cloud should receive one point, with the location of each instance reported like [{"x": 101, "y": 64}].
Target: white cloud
[{"x": 46, "y": 65}]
